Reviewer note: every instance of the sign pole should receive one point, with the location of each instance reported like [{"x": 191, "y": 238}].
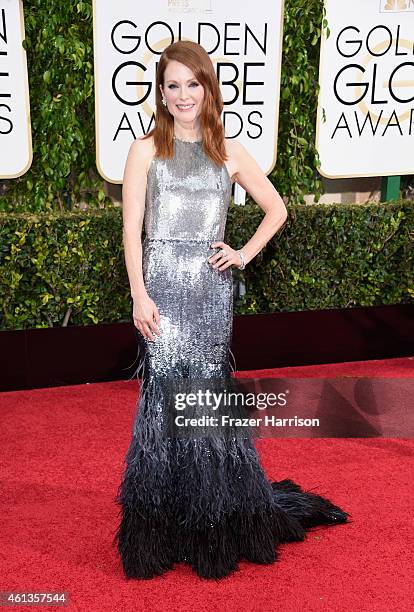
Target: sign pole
[{"x": 390, "y": 188}]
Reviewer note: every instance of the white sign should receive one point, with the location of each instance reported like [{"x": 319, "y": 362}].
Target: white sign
[
  {"x": 365, "y": 120},
  {"x": 15, "y": 128},
  {"x": 130, "y": 36}
]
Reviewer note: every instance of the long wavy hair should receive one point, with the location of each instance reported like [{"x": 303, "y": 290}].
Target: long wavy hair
[{"x": 196, "y": 58}]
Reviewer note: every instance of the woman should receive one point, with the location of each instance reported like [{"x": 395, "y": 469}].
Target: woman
[{"x": 199, "y": 499}]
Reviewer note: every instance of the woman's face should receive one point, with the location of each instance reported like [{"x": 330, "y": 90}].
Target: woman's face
[{"x": 183, "y": 93}]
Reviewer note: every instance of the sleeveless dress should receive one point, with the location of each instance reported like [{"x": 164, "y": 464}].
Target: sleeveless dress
[{"x": 198, "y": 499}]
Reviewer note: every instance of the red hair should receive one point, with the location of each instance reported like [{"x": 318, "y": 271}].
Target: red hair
[{"x": 196, "y": 58}]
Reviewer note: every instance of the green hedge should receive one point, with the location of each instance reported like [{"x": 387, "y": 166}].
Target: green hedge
[
  {"x": 68, "y": 268},
  {"x": 329, "y": 256}
]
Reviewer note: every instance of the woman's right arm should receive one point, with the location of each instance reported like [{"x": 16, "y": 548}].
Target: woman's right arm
[{"x": 145, "y": 313}]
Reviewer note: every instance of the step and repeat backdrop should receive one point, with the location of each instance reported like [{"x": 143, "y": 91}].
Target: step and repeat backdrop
[
  {"x": 365, "y": 119},
  {"x": 365, "y": 116},
  {"x": 246, "y": 52}
]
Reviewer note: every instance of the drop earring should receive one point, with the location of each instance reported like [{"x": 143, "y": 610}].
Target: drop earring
[{"x": 164, "y": 101}]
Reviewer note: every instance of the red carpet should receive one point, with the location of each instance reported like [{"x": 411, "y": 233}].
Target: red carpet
[{"x": 62, "y": 457}]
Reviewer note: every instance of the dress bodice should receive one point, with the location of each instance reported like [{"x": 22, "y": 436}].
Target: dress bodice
[{"x": 187, "y": 197}]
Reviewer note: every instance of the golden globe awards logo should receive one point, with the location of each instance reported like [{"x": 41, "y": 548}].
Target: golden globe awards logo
[
  {"x": 129, "y": 38},
  {"x": 396, "y": 5},
  {"x": 365, "y": 121}
]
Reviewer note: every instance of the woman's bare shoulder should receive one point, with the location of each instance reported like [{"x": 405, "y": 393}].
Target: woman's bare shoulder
[
  {"x": 233, "y": 149},
  {"x": 143, "y": 150},
  {"x": 143, "y": 145},
  {"x": 234, "y": 146}
]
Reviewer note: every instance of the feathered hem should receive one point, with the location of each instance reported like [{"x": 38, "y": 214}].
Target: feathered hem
[
  {"x": 210, "y": 515},
  {"x": 203, "y": 500}
]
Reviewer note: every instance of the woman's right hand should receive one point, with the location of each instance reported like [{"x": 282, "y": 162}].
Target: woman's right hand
[{"x": 146, "y": 316}]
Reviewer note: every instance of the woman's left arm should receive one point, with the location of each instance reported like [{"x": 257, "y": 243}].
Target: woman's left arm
[{"x": 251, "y": 177}]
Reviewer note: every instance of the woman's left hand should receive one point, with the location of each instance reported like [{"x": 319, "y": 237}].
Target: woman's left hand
[{"x": 220, "y": 261}]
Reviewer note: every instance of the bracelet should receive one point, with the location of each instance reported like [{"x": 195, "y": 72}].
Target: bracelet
[{"x": 243, "y": 259}]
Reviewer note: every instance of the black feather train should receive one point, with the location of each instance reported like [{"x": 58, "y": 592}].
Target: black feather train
[{"x": 203, "y": 500}]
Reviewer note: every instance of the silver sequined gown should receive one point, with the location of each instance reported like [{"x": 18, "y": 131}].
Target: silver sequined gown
[{"x": 202, "y": 500}]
